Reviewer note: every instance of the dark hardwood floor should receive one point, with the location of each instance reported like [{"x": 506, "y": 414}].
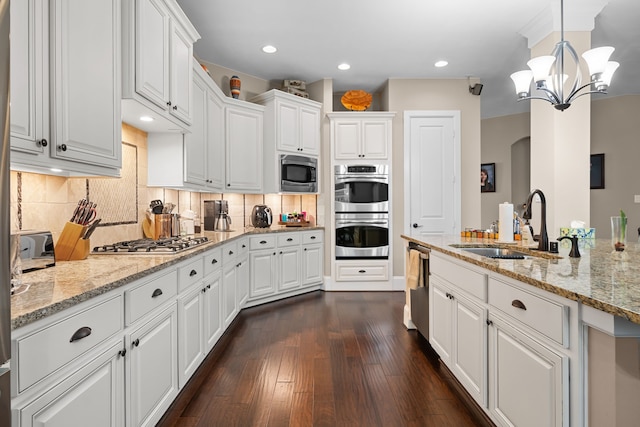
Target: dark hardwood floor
[{"x": 321, "y": 359}]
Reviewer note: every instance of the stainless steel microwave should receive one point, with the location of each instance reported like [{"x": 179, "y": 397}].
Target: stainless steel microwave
[{"x": 298, "y": 174}]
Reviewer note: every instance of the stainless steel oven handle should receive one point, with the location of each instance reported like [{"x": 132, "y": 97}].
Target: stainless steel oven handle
[
  {"x": 345, "y": 178},
  {"x": 359, "y": 222}
]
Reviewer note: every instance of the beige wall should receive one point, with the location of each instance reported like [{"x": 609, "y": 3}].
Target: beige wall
[
  {"x": 615, "y": 131},
  {"x": 498, "y": 135},
  {"x": 410, "y": 94}
]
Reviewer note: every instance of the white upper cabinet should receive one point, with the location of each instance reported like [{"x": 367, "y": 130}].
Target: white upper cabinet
[
  {"x": 204, "y": 146},
  {"x": 70, "y": 50},
  {"x": 292, "y": 123},
  {"x": 157, "y": 73},
  {"x": 243, "y": 123},
  {"x": 361, "y": 136}
]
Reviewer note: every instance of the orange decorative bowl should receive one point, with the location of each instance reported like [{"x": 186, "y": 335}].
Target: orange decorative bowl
[{"x": 356, "y": 100}]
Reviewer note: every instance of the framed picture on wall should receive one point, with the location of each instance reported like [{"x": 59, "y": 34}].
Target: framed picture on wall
[
  {"x": 597, "y": 171},
  {"x": 487, "y": 177}
]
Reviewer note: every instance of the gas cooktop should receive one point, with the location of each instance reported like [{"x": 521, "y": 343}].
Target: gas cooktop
[{"x": 170, "y": 245}]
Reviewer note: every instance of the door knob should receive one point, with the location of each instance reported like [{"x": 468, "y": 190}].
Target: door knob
[{"x": 415, "y": 225}]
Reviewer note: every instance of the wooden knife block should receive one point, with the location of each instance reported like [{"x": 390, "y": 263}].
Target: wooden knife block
[{"x": 71, "y": 246}]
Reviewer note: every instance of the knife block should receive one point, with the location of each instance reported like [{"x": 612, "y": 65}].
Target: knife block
[{"x": 71, "y": 246}]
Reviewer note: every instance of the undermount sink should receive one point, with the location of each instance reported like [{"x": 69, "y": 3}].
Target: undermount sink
[{"x": 498, "y": 253}]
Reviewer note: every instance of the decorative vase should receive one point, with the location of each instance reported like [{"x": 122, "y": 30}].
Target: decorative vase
[{"x": 234, "y": 84}]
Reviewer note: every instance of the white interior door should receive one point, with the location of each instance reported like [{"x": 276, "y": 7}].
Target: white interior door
[{"x": 432, "y": 186}]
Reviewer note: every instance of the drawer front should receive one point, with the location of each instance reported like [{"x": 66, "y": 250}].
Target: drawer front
[
  {"x": 212, "y": 261},
  {"x": 348, "y": 273},
  {"x": 262, "y": 242},
  {"x": 42, "y": 353},
  {"x": 190, "y": 274},
  {"x": 146, "y": 297},
  {"x": 545, "y": 316},
  {"x": 289, "y": 239},
  {"x": 316, "y": 236},
  {"x": 229, "y": 252},
  {"x": 243, "y": 246},
  {"x": 470, "y": 281}
]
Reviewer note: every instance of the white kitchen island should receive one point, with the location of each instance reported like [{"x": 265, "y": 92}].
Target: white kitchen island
[{"x": 545, "y": 340}]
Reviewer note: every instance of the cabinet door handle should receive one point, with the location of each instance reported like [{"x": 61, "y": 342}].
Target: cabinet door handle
[
  {"x": 156, "y": 293},
  {"x": 192, "y": 273},
  {"x": 518, "y": 304},
  {"x": 305, "y": 249},
  {"x": 169, "y": 104},
  {"x": 83, "y": 332},
  {"x": 489, "y": 322},
  {"x": 42, "y": 143},
  {"x": 136, "y": 342},
  {"x": 230, "y": 252},
  {"x": 122, "y": 352},
  {"x": 62, "y": 147},
  {"x": 244, "y": 246},
  {"x": 208, "y": 286},
  {"x": 203, "y": 290},
  {"x": 238, "y": 264},
  {"x": 175, "y": 107},
  {"x": 415, "y": 225},
  {"x": 214, "y": 261}
]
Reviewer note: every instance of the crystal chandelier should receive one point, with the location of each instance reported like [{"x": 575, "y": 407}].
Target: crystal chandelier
[{"x": 550, "y": 78}]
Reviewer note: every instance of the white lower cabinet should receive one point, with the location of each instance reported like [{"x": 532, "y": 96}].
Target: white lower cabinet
[
  {"x": 506, "y": 342},
  {"x": 284, "y": 264},
  {"x": 526, "y": 379},
  {"x": 191, "y": 350},
  {"x": 458, "y": 335},
  {"x": 229, "y": 280},
  {"x": 91, "y": 396},
  {"x": 121, "y": 359},
  {"x": 152, "y": 362}
]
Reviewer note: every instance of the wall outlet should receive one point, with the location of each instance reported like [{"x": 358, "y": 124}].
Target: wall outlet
[{"x": 636, "y": 198}]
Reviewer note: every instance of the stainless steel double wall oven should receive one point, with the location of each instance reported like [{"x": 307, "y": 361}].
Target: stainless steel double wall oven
[{"x": 362, "y": 211}]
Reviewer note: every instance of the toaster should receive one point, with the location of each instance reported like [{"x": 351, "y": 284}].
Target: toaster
[{"x": 35, "y": 249}]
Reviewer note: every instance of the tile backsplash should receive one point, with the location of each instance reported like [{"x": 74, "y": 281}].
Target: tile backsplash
[{"x": 46, "y": 202}]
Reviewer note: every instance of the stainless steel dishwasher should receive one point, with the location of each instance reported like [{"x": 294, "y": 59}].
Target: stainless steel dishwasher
[{"x": 420, "y": 295}]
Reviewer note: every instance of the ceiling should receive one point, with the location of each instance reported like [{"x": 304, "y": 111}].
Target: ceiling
[{"x": 382, "y": 39}]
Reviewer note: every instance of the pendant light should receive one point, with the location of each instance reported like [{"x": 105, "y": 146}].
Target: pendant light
[{"x": 548, "y": 73}]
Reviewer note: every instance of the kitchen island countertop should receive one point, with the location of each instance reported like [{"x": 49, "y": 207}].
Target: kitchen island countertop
[
  {"x": 601, "y": 278},
  {"x": 69, "y": 283}
]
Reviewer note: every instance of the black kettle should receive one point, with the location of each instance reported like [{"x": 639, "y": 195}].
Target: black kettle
[{"x": 261, "y": 216}]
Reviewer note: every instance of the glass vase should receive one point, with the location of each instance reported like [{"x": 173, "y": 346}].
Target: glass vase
[{"x": 618, "y": 233}]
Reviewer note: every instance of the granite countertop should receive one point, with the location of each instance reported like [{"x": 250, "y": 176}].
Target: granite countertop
[
  {"x": 71, "y": 282},
  {"x": 601, "y": 278}
]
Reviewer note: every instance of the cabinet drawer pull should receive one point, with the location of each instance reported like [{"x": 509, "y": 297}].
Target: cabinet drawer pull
[
  {"x": 156, "y": 293},
  {"x": 230, "y": 252},
  {"x": 83, "y": 332},
  {"x": 362, "y": 271},
  {"x": 289, "y": 239},
  {"x": 175, "y": 107},
  {"x": 244, "y": 246},
  {"x": 214, "y": 261},
  {"x": 313, "y": 237},
  {"x": 263, "y": 242},
  {"x": 193, "y": 273},
  {"x": 208, "y": 286},
  {"x": 203, "y": 290},
  {"x": 518, "y": 304},
  {"x": 238, "y": 264}
]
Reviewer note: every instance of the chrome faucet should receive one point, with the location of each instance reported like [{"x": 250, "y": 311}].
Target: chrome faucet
[{"x": 543, "y": 240}]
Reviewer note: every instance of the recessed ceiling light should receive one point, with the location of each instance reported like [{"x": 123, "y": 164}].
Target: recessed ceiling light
[
  {"x": 344, "y": 66},
  {"x": 146, "y": 119},
  {"x": 56, "y": 170},
  {"x": 269, "y": 49},
  {"x": 441, "y": 64}
]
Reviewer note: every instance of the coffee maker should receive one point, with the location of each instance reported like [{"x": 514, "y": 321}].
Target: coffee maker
[{"x": 216, "y": 215}]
